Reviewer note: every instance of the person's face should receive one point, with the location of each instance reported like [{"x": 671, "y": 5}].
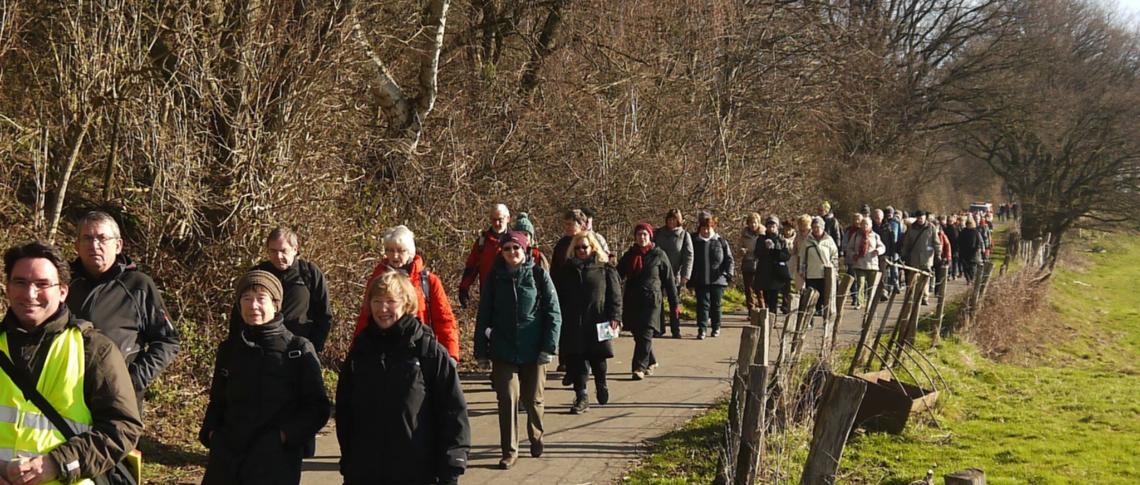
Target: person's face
[
  {"x": 34, "y": 291},
  {"x": 97, "y": 246},
  {"x": 513, "y": 254},
  {"x": 857, "y": 219},
  {"x": 582, "y": 249},
  {"x": 672, "y": 222},
  {"x": 754, "y": 226},
  {"x": 705, "y": 231},
  {"x": 821, "y": 210},
  {"x": 396, "y": 255},
  {"x": 571, "y": 227},
  {"x": 386, "y": 309},
  {"x": 865, "y": 224},
  {"x": 817, "y": 231},
  {"x": 641, "y": 237},
  {"x": 257, "y": 307},
  {"x": 772, "y": 228},
  {"x": 499, "y": 221},
  {"x": 280, "y": 253},
  {"x": 589, "y": 223},
  {"x": 877, "y": 217},
  {"x": 920, "y": 220}
]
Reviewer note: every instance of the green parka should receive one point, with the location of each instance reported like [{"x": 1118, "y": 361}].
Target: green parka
[{"x": 520, "y": 307}]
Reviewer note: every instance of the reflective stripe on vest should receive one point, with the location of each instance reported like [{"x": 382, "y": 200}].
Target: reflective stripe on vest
[{"x": 24, "y": 430}]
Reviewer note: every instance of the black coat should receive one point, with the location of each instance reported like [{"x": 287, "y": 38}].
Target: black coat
[
  {"x": 266, "y": 382},
  {"x": 641, "y": 298},
  {"x": 970, "y": 246},
  {"x": 772, "y": 271},
  {"x": 400, "y": 413},
  {"x": 712, "y": 262},
  {"x": 588, "y": 293},
  {"x": 304, "y": 303}
]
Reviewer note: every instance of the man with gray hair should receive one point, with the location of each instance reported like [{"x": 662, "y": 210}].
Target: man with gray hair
[
  {"x": 124, "y": 304},
  {"x": 484, "y": 252}
]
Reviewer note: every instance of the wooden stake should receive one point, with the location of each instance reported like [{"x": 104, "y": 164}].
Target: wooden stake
[
  {"x": 841, "y": 398},
  {"x": 752, "y": 434},
  {"x": 969, "y": 476},
  {"x": 868, "y": 320}
]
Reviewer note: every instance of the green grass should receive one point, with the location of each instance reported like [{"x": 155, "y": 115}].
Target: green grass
[
  {"x": 733, "y": 301},
  {"x": 1071, "y": 415}
]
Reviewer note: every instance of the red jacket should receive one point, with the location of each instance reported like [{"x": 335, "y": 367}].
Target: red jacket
[
  {"x": 439, "y": 317},
  {"x": 479, "y": 261},
  {"x": 947, "y": 253}
]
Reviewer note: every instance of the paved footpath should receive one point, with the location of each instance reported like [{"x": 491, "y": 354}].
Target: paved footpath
[{"x": 597, "y": 447}]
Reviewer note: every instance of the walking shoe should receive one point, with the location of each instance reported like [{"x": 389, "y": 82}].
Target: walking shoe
[
  {"x": 701, "y": 334},
  {"x": 566, "y": 380},
  {"x": 716, "y": 332},
  {"x": 677, "y": 334},
  {"x": 658, "y": 333},
  {"x": 581, "y": 404},
  {"x": 652, "y": 367},
  {"x": 536, "y": 448},
  {"x": 603, "y": 395},
  {"x": 638, "y": 375},
  {"x": 507, "y": 462}
]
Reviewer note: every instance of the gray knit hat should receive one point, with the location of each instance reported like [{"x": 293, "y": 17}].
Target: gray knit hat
[{"x": 263, "y": 279}]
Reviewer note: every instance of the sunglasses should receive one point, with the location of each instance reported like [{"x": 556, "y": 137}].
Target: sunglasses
[
  {"x": 511, "y": 248},
  {"x": 582, "y": 248}
]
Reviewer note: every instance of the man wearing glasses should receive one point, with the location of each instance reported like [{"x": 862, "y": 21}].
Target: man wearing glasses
[
  {"x": 77, "y": 370},
  {"x": 122, "y": 302},
  {"x": 484, "y": 252}
]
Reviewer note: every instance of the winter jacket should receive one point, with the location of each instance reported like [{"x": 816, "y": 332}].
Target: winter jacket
[
  {"x": 831, "y": 227},
  {"x": 521, "y": 308},
  {"x": 815, "y": 255},
  {"x": 890, "y": 233},
  {"x": 304, "y": 304},
  {"x": 970, "y": 246},
  {"x": 748, "y": 250},
  {"x": 126, "y": 306},
  {"x": 561, "y": 254},
  {"x": 480, "y": 259},
  {"x": 400, "y": 413},
  {"x": 589, "y": 293},
  {"x": 945, "y": 254},
  {"x": 267, "y": 382},
  {"x": 920, "y": 245},
  {"x": 772, "y": 271},
  {"x": 712, "y": 262},
  {"x": 641, "y": 297},
  {"x": 870, "y": 260},
  {"x": 678, "y": 246},
  {"x": 107, "y": 392},
  {"x": 952, "y": 232},
  {"x": 435, "y": 312}
]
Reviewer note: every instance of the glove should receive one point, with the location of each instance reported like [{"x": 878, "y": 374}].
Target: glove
[
  {"x": 545, "y": 358},
  {"x": 676, "y": 313},
  {"x": 464, "y": 297},
  {"x": 487, "y": 332}
]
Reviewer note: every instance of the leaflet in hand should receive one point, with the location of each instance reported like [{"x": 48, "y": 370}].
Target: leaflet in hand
[{"x": 606, "y": 332}]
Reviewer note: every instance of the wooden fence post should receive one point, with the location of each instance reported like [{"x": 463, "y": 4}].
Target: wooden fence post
[
  {"x": 748, "y": 339},
  {"x": 841, "y": 398},
  {"x": 832, "y": 321},
  {"x": 868, "y": 320},
  {"x": 936, "y": 336},
  {"x": 969, "y": 476},
  {"x": 752, "y": 435}
]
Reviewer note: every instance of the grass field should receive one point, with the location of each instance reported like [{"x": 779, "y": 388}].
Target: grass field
[{"x": 1069, "y": 414}]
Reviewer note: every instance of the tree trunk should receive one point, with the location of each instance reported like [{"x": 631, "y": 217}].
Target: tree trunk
[{"x": 65, "y": 178}]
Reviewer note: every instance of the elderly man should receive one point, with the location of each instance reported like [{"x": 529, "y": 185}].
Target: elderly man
[
  {"x": 305, "y": 302},
  {"x": 483, "y": 253},
  {"x": 79, "y": 372},
  {"x": 920, "y": 246},
  {"x": 122, "y": 302},
  {"x": 890, "y": 233}
]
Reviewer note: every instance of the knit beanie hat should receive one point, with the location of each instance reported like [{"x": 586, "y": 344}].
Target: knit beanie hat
[
  {"x": 644, "y": 226},
  {"x": 517, "y": 237},
  {"x": 522, "y": 223},
  {"x": 263, "y": 279}
]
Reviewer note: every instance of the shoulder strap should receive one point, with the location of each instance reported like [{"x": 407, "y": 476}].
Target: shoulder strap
[
  {"x": 307, "y": 275},
  {"x": 426, "y": 289},
  {"x": 24, "y": 382},
  {"x": 296, "y": 348},
  {"x": 539, "y": 280}
]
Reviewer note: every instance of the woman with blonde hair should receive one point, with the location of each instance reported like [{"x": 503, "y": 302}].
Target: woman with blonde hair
[{"x": 589, "y": 293}]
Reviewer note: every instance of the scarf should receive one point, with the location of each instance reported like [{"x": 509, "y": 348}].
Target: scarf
[
  {"x": 633, "y": 265},
  {"x": 866, "y": 244}
]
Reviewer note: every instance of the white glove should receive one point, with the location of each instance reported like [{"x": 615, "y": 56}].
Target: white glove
[
  {"x": 488, "y": 333},
  {"x": 545, "y": 358}
]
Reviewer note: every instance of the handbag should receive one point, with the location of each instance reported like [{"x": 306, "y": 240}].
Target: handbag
[{"x": 120, "y": 474}]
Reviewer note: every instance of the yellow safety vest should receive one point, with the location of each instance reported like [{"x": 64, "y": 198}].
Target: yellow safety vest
[{"x": 24, "y": 431}]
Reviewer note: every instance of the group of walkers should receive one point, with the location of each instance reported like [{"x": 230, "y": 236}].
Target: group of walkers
[{"x": 98, "y": 328}]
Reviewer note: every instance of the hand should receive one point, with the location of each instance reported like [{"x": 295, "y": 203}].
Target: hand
[
  {"x": 684, "y": 281},
  {"x": 31, "y": 471},
  {"x": 464, "y": 297},
  {"x": 616, "y": 325},
  {"x": 545, "y": 358},
  {"x": 769, "y": 244},
  {"x": 677, "y": 313},
  {"x": 487, "y": 333}
]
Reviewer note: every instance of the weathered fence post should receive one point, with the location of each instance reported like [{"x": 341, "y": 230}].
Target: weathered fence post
[
  {"x": 868, "y": 320},
  {"x": 748, "y": 340},
  {"x": 936, "y": 336},
  {"x": 969, "y": 476},
  {"x": 841, "y": 398},
  {"x": 831, "y": 323},
  {"x": 752, "y": 435}
]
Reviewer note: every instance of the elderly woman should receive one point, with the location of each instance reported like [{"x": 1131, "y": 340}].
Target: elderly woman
[
  {"x": 712, "y": 270},
  {"x": 267, "y": 399},
  {"x": 400, "y": 412},
  {"x": 589, "y": 293},
  {"x": 747, "y": 248},
  {"x": 818, "y": 252},
  {"x": 803, "y": 231},
  {"x": 647, "y": 273},
  {"x": 772, "y": 272},
  {"x": 678, "y": 246},
  {"x": 517, "y": 330},
  {"x": 863, "y": 249},
  {"x": 433, "y": 307},
  {"x": 970, "y": 247}
]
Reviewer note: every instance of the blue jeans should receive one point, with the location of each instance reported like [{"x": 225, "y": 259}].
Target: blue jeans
[{"x": 708, "y": 306}]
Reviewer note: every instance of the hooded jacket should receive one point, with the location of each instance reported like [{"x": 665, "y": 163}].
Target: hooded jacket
[
  {"x": 437, "y": 314},
  {"x": 107, "y": 392},
  {"x": 127, "y": 307},
  {"x": 267, "y": 382},
  {"x": 521, "y": 309},
  {"x": 400, "y": 413},
  {"x": 712, "y": 262}
]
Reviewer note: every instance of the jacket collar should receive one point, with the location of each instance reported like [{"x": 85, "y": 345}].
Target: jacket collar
[
  {"x": 54, "y": 324},
  {"x": 123, "y": 263}
]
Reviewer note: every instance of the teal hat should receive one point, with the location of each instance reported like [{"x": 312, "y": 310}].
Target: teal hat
[{"x": 522, "y": 223}]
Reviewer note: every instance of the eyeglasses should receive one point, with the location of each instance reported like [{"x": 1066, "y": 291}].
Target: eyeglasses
[
  {"x": 512, "y": 248},
  {"x": 582, "y": 247},
  {"x": 40, "y": 285},
  {"x": 98, "y": 240},
  {"x": 394, "y": 250}
]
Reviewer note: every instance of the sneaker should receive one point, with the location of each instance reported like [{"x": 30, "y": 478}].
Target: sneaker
[
  {"x": 536, "y": 448},
  {"x": 638, "y": 375},
  {"x": 566, "y": 381},
  {"x": 652, "y": 367},
  {"x": 716, "y": 332},
  {"x": 700, "y": 334},
  {"x": 658, "y": 333},
  {"x": 603, "y": 395},
  {"x": 507, "y": 462},
  {"x": 581, "y": 405}
]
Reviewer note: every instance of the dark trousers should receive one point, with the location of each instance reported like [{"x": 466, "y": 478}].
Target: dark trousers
[
  {"x": 968, "y": 270},
  {"x": 674, "y": 322},
  {"x": 817, "y": 285},
  {"x": 643, "y": 349},
  {"x": 579, "y": 369},
  {"x": 708, "y": 306}
]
